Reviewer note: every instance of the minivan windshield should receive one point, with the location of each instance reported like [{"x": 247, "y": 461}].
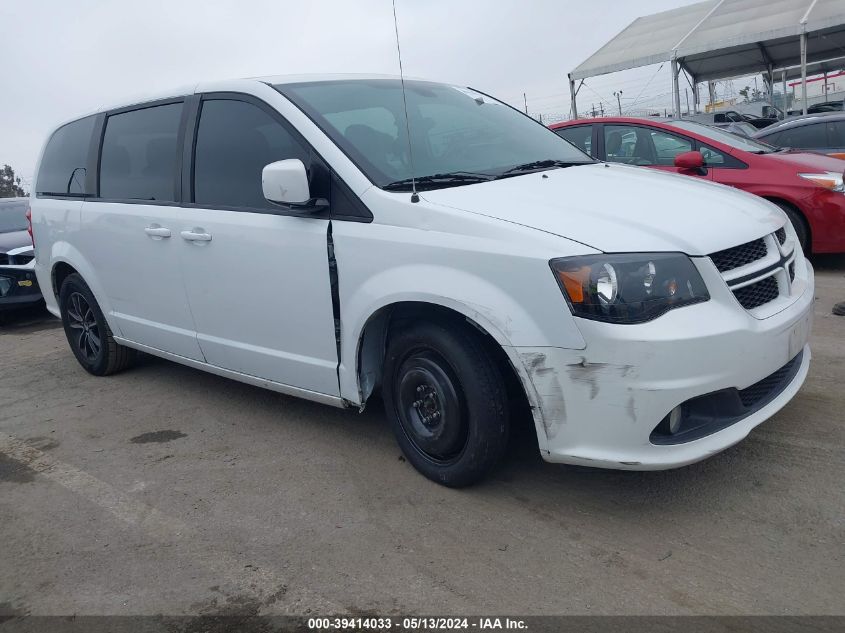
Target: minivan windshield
[
  {"x": 457, "y": 136},
  {"x": 721, "y": 136}
]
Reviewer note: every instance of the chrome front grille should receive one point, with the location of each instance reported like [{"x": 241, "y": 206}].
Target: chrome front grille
[{"x": 760, "y": 271}]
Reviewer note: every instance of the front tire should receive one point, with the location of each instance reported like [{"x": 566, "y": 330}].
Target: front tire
[
  {"x": 87, "y": 331},
  {"x": 799, "y": 224},
  {"x": 446, "y": 400}
]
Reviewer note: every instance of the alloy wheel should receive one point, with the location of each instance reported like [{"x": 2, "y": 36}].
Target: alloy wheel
[{"x": 85, "y": 333}]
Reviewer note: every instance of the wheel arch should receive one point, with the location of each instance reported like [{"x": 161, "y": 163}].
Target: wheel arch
[
  {"x": 373, "y": 339},
  {"x": 782, "y": 202},
  {"x": 66, "y": 260},
  {"x": 58, "y": 274}
]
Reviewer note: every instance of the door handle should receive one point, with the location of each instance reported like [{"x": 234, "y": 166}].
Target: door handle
[
  {"x": 196, "y": 235},
  {"x": 157, "y": 231}
]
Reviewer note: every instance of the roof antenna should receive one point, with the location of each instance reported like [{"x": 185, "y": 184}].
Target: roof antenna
[{"x": 415, "y": 197}]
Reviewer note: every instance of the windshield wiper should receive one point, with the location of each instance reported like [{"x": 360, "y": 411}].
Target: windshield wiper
[
  {"x": 436, "y": 181},
  {"x": 539, "y": 165}
]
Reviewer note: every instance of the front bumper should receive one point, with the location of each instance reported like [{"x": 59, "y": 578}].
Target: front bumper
[
  {"x": 600, "y": 406},
  {"x": 18, "y": 287}
]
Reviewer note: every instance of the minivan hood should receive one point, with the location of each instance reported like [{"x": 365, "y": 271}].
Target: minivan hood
[{"x": 617, "y": 208}]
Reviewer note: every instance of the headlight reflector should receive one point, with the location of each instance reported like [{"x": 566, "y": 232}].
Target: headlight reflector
[
  {"x": 607, "y": 286},
  {"x": 829, "y": 180},
  {"x": 628, "y": 288}
]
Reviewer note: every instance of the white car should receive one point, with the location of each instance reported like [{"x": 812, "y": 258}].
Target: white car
[{"x": 296, "y": 233}]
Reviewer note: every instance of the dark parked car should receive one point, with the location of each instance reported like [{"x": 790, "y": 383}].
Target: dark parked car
[
  {"x": 18, "y": 285},
  {"x": 833, "y": 106},
  {"x": 823, "y": 133},
  {"x": 819, "y": 108},
  {"x": 760, "y": 122}
]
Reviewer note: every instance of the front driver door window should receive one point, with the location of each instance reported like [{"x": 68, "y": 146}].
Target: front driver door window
[
  {"x": 260, "y": 289},
  {"x": 667, "y": 146}
]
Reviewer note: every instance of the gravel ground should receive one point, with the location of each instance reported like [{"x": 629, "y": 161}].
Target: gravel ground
[{"x": 167, "y": 490}]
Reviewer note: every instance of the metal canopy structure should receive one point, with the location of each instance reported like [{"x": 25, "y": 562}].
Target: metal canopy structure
[{"x": 719, "y": 39}]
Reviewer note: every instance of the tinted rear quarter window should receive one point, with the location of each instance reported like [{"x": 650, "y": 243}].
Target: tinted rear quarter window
[
  {"x": 235, "y": 141},
  {"x": 63, "y": 166},
  {"x": 771, "y": 139},
  {"x": 138, "y": 160}
]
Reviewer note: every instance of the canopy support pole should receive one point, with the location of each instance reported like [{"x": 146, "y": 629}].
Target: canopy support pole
[
  {"x": 676, "y": 89},
  {"x": 804, "y": 68},
  {"x": 695, "y": 101},
  {"x": 573, "y": 93},
  {"x": 785, "y": 96},
  {"x": 771, "y": 78}
]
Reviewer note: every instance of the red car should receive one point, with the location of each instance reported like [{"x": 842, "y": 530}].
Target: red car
[{"x": 808, "y": 187}]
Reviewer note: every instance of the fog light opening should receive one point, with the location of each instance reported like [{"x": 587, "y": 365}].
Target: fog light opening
[
  {"x": 671, "y": 424},
  {"x": 675, "y": 420}
]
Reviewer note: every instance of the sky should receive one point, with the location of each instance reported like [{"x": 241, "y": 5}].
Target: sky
[{"x": 63, "y": 59}]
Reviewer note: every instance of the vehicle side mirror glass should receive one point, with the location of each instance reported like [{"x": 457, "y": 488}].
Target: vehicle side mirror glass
[
  {"x": 689, "y": 160},
  {"x": 286, "y": 182}
]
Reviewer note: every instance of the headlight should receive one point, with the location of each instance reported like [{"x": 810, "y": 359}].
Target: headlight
[
  {"x": 628, "y": 288},
  {"x": 829, "y": 180}
]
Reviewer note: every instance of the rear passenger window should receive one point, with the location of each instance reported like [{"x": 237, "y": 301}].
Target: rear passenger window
[
  {"x": 581, "y": 136},
  {"x": 63, "y": 166},
  {"x": 836, "y": 131},
  {"x": 235, "y": 141},
  {"x": 806, "y": 136},
  {"x": 138, "y": 160}
]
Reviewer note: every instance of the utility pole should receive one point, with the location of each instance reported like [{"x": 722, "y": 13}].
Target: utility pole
[
  {"x": 618, "y": 96},
  {"x": 525, "y": 99}
]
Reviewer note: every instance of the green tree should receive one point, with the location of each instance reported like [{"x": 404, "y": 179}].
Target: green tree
[{"x": 10, "y": 185}]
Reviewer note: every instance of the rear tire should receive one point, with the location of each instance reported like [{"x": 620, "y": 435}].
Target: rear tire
[
  {"x": 798, "y": 223},
  {"x": 87, "y": 331},
  {"x": 446, "y": 400}
]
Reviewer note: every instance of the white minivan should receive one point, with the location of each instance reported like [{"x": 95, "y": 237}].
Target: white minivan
[{"x": 333, "y": 238}]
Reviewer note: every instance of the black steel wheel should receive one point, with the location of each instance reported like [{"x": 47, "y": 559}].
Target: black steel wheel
[
  {"x": 430, "y": 406},
  {"x": 446, "y": 399},
  {"x": 87, "y": 331}
]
